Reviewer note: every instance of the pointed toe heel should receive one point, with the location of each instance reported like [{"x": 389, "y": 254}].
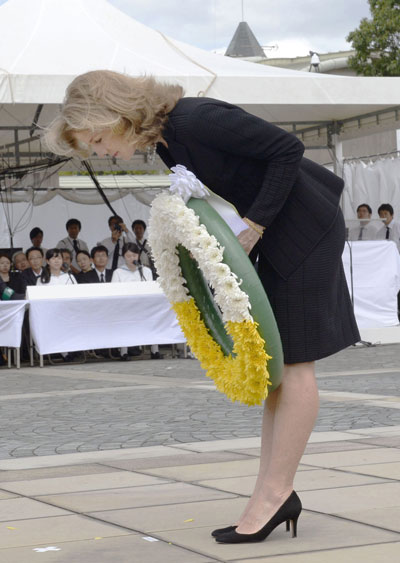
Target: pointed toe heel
[
  {"x": 220, "y": 531},
  {"x": 289, "y": 512}
]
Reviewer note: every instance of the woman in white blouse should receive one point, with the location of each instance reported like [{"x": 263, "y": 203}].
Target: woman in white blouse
[
  {"x": 52, "y": 274},
  {"x": 134, "y": 271}
]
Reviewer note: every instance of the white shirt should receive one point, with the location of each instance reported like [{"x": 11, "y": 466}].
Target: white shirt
[
  {"x": 62, "y": 279},
  {"x": 368, "y": 233},
  {"x": 394, "y": 233},
  {"x": 125, "y": 275},
  {"x": 110, "y": 245},
  {"x": 68, "y": 242}
]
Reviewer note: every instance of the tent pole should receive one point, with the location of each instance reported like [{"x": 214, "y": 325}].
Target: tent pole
[{"x": 336, "y": 144}]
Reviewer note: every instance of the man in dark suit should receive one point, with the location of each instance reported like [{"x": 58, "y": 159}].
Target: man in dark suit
[
  {"x": 35, "y": 259},
  {"x": 99, "y": 274}
]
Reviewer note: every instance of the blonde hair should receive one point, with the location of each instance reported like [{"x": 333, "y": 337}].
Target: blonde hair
[{"x": 136, "y": 108}]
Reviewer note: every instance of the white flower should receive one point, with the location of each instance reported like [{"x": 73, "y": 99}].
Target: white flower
[{"x": 171, "y": 224}]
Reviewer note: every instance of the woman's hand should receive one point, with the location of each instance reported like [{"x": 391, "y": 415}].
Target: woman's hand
[{"x": 248, "y": 239}]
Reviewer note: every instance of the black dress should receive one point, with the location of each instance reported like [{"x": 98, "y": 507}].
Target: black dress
[{"x": 260, "y": 169}]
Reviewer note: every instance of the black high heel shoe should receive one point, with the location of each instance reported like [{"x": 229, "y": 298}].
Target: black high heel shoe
[
  {"x": 289, "y": 512},
  {"x": 220, "y": 531}
]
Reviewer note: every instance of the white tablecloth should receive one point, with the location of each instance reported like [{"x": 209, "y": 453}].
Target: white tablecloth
[
  {"x": 11, "y": 319},
  {"x": 91, "y": 316},
  {"x": 376, "y": 281}
]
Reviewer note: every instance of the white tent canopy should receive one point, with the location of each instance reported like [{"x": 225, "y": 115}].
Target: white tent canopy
[{"x": 44, "y": 44}]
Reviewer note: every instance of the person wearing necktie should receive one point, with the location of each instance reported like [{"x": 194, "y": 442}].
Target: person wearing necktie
[
  {"x": 99, "y": 273},
  {"x": 73, "y": 243},
  {"x": 35, "y": 259},
  {"x": 119, "y": 236},
  {"x": 366, "y": 230},
  {"x": 390, "y": 229}
]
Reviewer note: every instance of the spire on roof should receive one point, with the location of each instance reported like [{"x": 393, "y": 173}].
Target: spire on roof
[{"x": 244, "y": 43}]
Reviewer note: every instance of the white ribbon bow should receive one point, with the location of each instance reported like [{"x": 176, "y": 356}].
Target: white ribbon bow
[{"x": 185, "y": 184}]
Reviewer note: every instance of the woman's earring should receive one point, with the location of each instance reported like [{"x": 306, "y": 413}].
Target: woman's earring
[{"x": 150, "y": 154}]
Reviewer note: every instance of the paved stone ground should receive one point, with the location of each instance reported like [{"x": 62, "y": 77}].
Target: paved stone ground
[{"x": 109, "y": 405}]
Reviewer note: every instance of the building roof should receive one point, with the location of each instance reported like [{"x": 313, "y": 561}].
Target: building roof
[{"x": 244, "y": 43}]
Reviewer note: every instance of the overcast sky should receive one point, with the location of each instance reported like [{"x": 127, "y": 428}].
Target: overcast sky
[{"x": 294, "y": 26}]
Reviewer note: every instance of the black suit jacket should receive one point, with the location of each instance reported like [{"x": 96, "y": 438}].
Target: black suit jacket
[
  {"x": 92, "y": 277},
  {"x": 260, "y": 169},
  {"x": 28, "y": 277}
]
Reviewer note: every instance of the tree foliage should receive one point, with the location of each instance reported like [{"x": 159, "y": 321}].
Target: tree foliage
[{"x": 377, "y": 40}]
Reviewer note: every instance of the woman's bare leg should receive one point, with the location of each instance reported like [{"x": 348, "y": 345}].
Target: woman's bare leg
[
  {"x": 266, "y": 446},
  {"x": 289, "y": 418}
]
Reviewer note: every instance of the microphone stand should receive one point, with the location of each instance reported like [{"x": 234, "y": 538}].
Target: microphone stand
[
  {"x": 140, "y": 268},
  {"x": 68, "y": 271}
]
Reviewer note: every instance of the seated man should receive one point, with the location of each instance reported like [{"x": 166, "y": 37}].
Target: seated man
[
  {"x": 85, "y": 263},
  {"x": 139, "y": 228},
  {"x": 99, "y": 274},
  {"x": 67, "y": 259},
  {"x": 72, "y": 242},
  {"x": 20, "y": 262},
  {"x": 390, "y": 229},
  {"x": 366, "y": 230},
  {"x": 114, "y": 243},
  {"x": 35, "y": 259}
]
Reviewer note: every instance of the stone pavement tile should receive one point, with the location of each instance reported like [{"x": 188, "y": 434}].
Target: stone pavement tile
[
  {"x": 46, "y": 472},
  {"x": 329, "y": 479},
  {"x": 340, "y": 446},
  {"x": 389, "y": 442},
  {"x": 331, "y": 436},
  {"x": 358, "y": 457},
  {"x": 249, "y": 451},
  {"x": 87, "y": 457},
  {"x": 315, "y": 532},
  {"x": 54, "y": 529},
  {"x": 381, "y": 553},
  {"x": 219, "y": 445},
  {"x": 23, "y": 508},
  {"x": 364, "y": 497},
  {"x": 131, "y": 497},
  {"x": 57, "y": 485},
  {"x": 304, "y": 481},
  {"x": 125, "y": 549},
  {"x": 209, "y": 470},
  {"x": 187, "y": 458},
  {"x": 377, "y": 431},
  {"x": 385, "y": 470},
  {"x": 6, "y": 494},
  {"x": 388, "y": 518},
  {"x": 186, "y": 516}
]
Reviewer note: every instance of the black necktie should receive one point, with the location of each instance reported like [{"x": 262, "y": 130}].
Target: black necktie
[
  {"x": 360, "y": 236},
  {"x": 101, "y": 278},
  {"x": 387, "y": 233},
  {"x": 114, "y": 265},
  {"x": 76, "y": 247}
]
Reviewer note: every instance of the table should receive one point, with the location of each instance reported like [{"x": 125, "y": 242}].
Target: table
[
  {"x": 376, "y": 281},
  {"x": 92, "y": 316},
  {"x": 11, "y": 319}
]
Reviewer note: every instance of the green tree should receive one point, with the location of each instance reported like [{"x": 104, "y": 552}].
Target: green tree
[{"x": 377, "y": 40}]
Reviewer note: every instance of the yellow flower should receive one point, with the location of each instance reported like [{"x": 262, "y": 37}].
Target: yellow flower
[{"x": 242, "y": 376}]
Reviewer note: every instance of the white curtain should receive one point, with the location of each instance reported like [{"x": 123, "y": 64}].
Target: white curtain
[
  {"x": 373, "y": 183},
  {"x": 50, "y": 210}
]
